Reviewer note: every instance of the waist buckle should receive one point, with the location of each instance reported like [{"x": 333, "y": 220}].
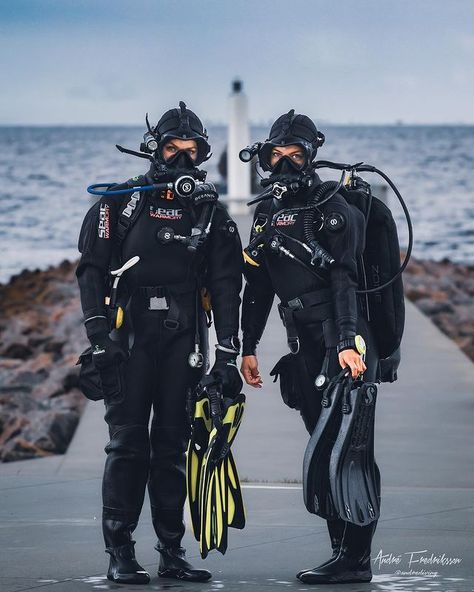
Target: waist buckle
[
  {"x": 158, "y": 303},
  {"x": 295, "y": 304}
]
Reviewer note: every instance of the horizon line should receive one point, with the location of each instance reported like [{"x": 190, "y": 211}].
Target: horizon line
[{"x": 252, "y": 124}]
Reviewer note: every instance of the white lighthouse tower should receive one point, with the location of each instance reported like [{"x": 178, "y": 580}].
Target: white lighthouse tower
[{"x": 238, "y": 173}]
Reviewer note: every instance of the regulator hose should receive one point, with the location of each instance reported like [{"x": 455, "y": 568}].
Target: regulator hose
[
  {"x": 331, "y": 187},
  {"x": 317, "y": 199}
]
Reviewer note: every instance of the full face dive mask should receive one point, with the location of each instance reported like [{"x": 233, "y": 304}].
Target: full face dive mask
[
  {"x": 287, "y": 130},
  {"x": 287, "y": 170},
  {"x": 182, "y": 160},
  {"x": 180, "y": 124}
]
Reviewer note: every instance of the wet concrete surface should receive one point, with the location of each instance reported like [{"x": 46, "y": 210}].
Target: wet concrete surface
[{"x": 51, "y": 538}]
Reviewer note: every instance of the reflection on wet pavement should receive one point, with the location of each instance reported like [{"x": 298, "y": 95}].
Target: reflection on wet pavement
[{"x": 380, "y": 583}]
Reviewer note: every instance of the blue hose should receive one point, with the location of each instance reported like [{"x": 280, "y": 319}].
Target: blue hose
[{"x": 92, "y": 189}]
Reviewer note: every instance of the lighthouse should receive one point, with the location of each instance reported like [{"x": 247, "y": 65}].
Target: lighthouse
[{"x": 238, "y": 173}]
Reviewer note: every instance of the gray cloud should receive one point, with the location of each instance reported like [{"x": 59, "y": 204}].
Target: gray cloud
[{"x": 352, "y": 60}]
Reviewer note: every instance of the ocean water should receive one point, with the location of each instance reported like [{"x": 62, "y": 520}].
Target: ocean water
[{"x": 44, "y": 172}]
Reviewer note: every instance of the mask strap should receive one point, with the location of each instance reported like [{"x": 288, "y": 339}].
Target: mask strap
[
  {"x": 183, "y": 117},
  {"x": 290, "y": 117}
]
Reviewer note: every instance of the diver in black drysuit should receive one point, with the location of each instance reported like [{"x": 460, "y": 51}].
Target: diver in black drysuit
[
  {"x": 322, "y": 315},
  {"x": 164, "y": 297}
]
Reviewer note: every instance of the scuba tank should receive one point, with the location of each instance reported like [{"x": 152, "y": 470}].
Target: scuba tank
[
  {"x": 380, "y": 261},
  {"x": 380, "y": 273}
]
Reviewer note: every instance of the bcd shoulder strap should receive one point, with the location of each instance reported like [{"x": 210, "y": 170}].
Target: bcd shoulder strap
[
  {"x": 262, "y": 217},
  {"x": 128, "y": 216}
]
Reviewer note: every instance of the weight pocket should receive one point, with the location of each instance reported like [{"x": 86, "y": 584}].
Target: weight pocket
[
  {"x": 89, "y": 379},
  {"x": 287, "y": 370},
  {"x": 112, "y": 383},
  {"x": 107, "y": 383}
]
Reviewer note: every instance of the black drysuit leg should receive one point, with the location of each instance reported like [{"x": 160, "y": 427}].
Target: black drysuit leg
[
  {"x": 312, "y": 351},
  {"x": 169, "y": 436},
  {"x": 128, "y": 451},
  {"x": 157, "y": 376}
]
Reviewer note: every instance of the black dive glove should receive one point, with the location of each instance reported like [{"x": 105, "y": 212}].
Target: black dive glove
[
  {"x": 105, "y": 352},
  {"x": 226, "y": 372},
  {"x": 205, "y": 193}
]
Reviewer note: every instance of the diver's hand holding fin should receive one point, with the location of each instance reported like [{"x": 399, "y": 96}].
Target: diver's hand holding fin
[
  {"x": 350, "y": 358},
  {"x": 225, "y": 371}
]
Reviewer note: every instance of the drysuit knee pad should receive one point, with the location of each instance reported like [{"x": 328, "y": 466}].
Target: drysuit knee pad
[
  {"x": 129, "y": 440},
  {"x": 168, "y": 440}
]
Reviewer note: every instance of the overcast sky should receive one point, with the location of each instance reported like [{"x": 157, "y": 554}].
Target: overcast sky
[{"x": 342, "y": 61}]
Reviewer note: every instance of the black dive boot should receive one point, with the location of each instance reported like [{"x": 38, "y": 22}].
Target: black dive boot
[
  {"x": 336, "y": 532},
  {"x": 173, "y": 564},
  {"x": 123, "y": 567},
  {"x": 169, "y": 528},
  {"x": 352, "y": 564}
]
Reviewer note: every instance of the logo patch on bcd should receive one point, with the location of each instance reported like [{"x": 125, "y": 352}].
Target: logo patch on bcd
[
  {"x": 166, "y": 213},
  {"x": 286, "y": 219},
  {"x": 104, "y": 221}
]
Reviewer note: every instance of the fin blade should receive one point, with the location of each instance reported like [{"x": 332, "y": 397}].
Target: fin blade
[
  {"x": 196, "y": 451},
  {"x": 236, "y": 518},
  {"x": 352, "y": 464},
  {"x": 316, "y": 486}
]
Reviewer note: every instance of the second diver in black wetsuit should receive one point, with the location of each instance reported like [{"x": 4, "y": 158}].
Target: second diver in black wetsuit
[
  {"x": 162, "y": 297},
  {"x": 319, "y": 305}
]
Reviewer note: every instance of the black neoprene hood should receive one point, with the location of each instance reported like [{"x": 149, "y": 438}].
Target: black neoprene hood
[
  {"x": 183, "y": 124},
  {"x": 291, "y": 129}
]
